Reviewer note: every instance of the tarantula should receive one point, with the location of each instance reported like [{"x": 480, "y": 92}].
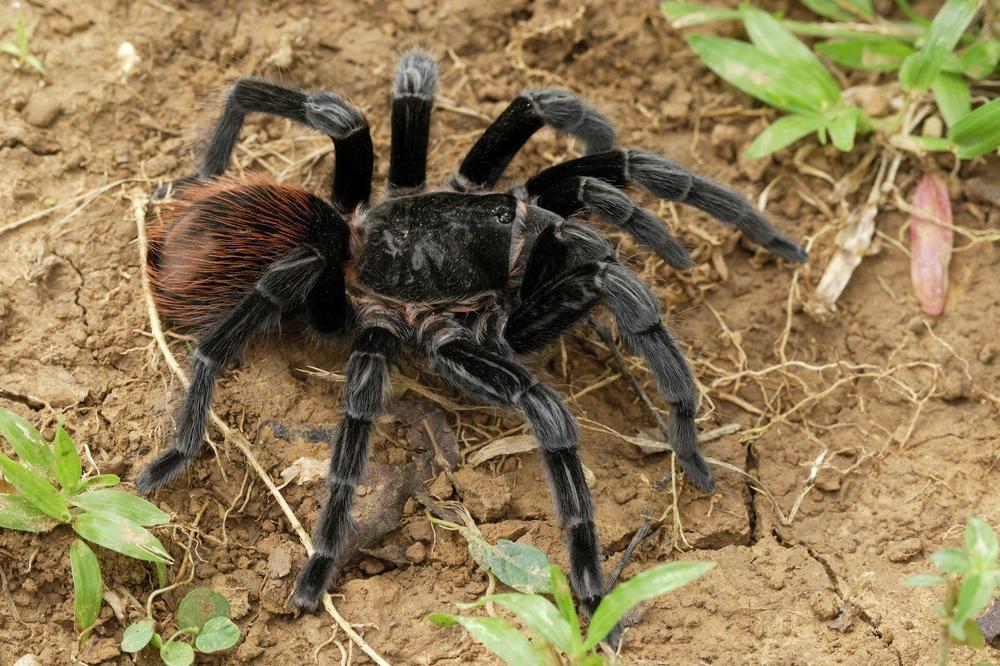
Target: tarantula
[{"x": 469, "y": 276}]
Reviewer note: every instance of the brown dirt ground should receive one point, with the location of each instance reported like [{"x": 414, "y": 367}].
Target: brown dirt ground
[{"x": 910, "y": 441}]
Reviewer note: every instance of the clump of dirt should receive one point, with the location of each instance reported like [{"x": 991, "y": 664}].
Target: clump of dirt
[{"x": 871, "y": 432}]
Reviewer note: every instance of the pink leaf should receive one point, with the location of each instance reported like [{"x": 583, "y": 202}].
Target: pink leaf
[{"x": 931, "y": 240}]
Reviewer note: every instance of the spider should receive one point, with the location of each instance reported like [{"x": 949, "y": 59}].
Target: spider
[{"x": 468, "y": 276}]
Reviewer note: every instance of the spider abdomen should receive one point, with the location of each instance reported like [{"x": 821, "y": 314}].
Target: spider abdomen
[
  {"x": 216, "y": 237},
  {"x": 440, "y": 245}
]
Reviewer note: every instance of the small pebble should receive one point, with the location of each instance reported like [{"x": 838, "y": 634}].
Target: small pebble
[
  {"x": 416, "y": 553},
  {"x": 42, "y": 110},
  {"x": 372, "y": 566}
]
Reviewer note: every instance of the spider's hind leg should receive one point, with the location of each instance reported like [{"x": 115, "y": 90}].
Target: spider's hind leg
[
  {"x": 500, "y": 381},
  {"x": 284, "y": 284}
]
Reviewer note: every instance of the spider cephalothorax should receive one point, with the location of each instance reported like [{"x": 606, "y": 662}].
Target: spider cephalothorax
[{"x": 469, "y": 277}]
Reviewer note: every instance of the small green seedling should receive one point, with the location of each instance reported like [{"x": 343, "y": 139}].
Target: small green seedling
[
  {"x": 21, "y": 51},
  {"x": 783, "y": 72},
  {"x": 50, "y": 490},
  {"x": 203, "y": 615},
  {"x": 971, "y": 577},
  {"x": 555, "y": 629}
]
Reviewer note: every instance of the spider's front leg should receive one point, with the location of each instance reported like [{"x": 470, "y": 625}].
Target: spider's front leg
[
  {"x": 284, "y": 284},
  {"x": 322, "y": 111},
  {"x": 569, "y": 270},
  {"x": 375, "y": 347},
  {"x": 470, "y": 367}
]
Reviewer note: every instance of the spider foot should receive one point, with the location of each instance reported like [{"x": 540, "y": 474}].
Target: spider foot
[
  {"x": 314, "y": 580},
  {"x": 165, "y": 468}
]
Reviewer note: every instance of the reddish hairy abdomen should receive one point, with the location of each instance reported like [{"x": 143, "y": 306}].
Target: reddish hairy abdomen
[{"x": 214, "y": 239}]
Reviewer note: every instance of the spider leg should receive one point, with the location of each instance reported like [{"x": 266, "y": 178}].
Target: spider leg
[
  {"x": 528, "y": 113},
  {"x": 614, "y": 207},
  {"x": 375, "y": 347},
  {"x": 283, "y": 285},
  {"x": 322, "y": 111},
  {"x": 491, "y": 377},
  {"x": 412, "y": 99},
  {"x": 669, "y": 180},
  {"x": 559, "y": 301}
]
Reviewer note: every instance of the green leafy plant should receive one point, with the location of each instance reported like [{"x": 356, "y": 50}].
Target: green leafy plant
[
  {"x": 21, "y": 51},
  {"x": 554, "y": 629},
  {"x": 970, "y": 578},
  {"x": 49, "y": 490},
  {"x": 202, "y": 617},
  {"x": 921, "y": 96},
  {"x": 518, "y": 565},
  {"x": 781, "y": 71}
]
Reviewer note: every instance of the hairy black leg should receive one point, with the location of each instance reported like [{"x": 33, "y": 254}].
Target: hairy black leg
[
  {"x": 322, "y": 111},
  {"x": 375, "y": 347},
  {"x": 615, "y": 207},
  {"x": 527, "y": 114},
  {"x": 412, "y": 100},
  {"x": 491, "y": 377},
  {"x": 669, "y": 180},
  {"x": 281, "y": 287},
  {"x": 560, "y": 301}
]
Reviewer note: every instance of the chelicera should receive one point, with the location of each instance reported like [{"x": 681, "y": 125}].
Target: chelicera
[{"x": 469, "y": 277}]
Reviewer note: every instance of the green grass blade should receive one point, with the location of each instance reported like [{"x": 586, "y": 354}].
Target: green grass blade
[
  {"x": 846, "y": 10},
  {"x": 17, "y": 513},
  {"x": 904, "y": 6},
  {"x": 10, "y": 49},
  {"x": 872, "y": 55},
  {"x": 27, "y": 442},
  {"x": 757, "y": 73},
  {"x": 784, "y": 132},
  {"x": 538, "y": 613},
  {"x": 36, "y": 490},
  {"x": 843, "y": 127},
  {"x": 658, "y": 580},
  {"x": 951, "y": 93},
  {"x": 980, "y": 59},
  {"x": 99, "y": 481},
  {"x": 88, "y": 587},
  {"x": 564, "y": 598},
  {"x": 67, "y": 460},
  {"x": 22, "y": 36},
  {"x": 122, "y": 536},
  {"x": 920, "y": 69},
  {"x": 35, "y": 63},
  {"x": 931, "y": 144},
  {"x": 978, "y": 132},
  {"x": 768, "y": 35},
  {"x": 120, "y": 503},
  {"x": 687, "y": 14},
  {"x": 499, "y": 638}
]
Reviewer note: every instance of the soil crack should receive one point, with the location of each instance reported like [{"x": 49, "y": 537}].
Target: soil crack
[
  {"x": 76, "y": 292},
  {"x": 840, "y": 590}
]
